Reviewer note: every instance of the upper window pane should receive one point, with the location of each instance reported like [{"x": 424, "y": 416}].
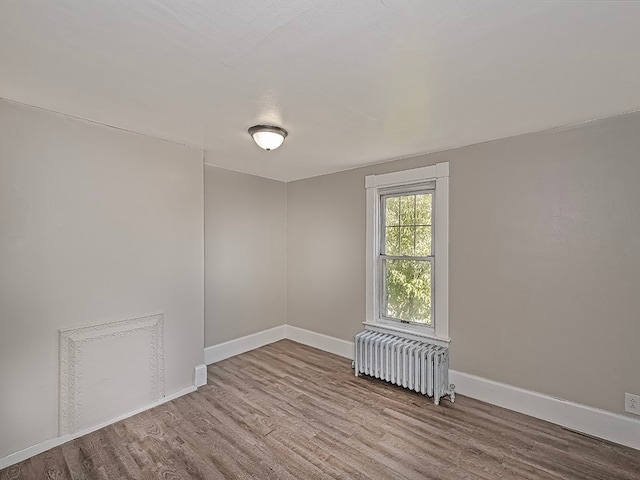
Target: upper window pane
[
  {"x": 408, "y": 210},
  {"x": 424, "y": 209},
  {"x": 392, "y": 211},
  {"x": 408, "y": 231},
  {"x": 392, "y": 241},
  {"x": 423, "y": 241}
]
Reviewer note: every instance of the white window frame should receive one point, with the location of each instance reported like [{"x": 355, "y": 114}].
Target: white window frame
[{"x": 376, "y": 186}]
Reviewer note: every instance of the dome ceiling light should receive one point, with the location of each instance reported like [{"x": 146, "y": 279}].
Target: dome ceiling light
[{"x": 268, "y": 137}]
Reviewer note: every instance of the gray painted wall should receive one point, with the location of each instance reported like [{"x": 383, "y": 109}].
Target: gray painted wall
[
  {"x": 245, "y": 254},
  {"x": 96, "y": 225},
  {"x": 544, "y": 258}
]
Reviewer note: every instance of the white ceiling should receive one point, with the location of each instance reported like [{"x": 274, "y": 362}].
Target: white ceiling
[{"x": 354, "y": 81}]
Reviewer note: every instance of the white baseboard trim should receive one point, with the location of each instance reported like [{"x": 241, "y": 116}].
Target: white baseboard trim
[
  {"x": 240, "y": 345},
  {"x": 200, "y": 375},
  {"x": 320, "y": 341},
  {"x": 54, "y": 442},
  {"x": 582, "y": 418}
]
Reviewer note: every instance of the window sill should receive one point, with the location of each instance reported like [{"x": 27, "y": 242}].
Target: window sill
[{"x": 407, "y": 331}]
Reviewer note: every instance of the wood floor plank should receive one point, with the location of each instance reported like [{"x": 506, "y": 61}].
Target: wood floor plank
[{"x": 288, "y": 411}]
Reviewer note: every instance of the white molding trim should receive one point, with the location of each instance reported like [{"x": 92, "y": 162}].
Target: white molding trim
[
  {"x": 412, "y": 332},
  {"x": 72, "y": 343},
  {"x": 240, "y": 345},
  {"x": 57, "y": 441},
  {"x": 582, "y": 418},
  {"x": 320, "y": 341},
  {"x": 407, "y": 176},
  {"x": 200, "y": 375},
  {"x": 374, "y": 185}
]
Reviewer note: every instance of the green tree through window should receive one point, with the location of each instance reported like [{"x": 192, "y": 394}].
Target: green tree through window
[{"x": 407, "y": 257}]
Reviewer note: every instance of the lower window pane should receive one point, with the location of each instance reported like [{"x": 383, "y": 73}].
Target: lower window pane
[{"x": 408, "y": 290}]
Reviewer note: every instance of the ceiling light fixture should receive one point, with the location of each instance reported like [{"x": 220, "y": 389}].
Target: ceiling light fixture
[{"x": 268, "y": 137}]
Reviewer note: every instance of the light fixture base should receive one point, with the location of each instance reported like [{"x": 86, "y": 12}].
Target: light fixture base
[{"x": 268, "y": 137}]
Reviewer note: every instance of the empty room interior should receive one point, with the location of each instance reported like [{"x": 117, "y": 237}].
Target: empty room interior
[{"x": 320, "y": 239}]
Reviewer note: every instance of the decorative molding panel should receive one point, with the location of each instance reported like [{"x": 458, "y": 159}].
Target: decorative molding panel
[{"x": 78, "y": 344}]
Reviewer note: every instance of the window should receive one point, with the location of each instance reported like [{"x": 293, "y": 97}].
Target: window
[
  {"x": 407, "y": 251},
  {"x": 406, "y": 256}
]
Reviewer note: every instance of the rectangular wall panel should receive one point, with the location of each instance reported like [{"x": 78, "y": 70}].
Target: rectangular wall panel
[{"x": 108, "y": 369}]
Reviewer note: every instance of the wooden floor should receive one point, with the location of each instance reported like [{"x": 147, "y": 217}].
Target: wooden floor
[{"x": 290, "y": 411}]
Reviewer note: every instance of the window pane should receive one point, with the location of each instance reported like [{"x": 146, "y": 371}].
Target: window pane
[
  {"x": 408, "y": 290},
  {"x": 406, "y": 241},
  {"x": 392, "y": 211},
  {"x": 423, "y": 209},
  {"x": 423, "y": 241},
  {"x": 407, "y": 225},
  {"x": 407, "y": 210},
  {"x": 392, "y": 241}
]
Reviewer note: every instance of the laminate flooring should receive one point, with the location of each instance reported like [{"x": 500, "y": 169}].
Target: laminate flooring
[{"x": 288, "y": 411}]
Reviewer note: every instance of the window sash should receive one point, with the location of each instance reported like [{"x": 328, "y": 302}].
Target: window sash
[
  {"x": 424, "y": 188},
  {"x": 382, "y": 300},
  {"x": 384, "y": 194}
]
